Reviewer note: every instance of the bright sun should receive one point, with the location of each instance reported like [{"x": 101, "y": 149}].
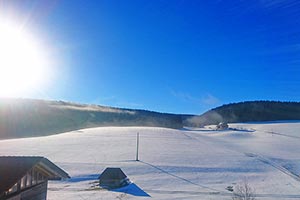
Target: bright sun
[{"x": 22, "y": 63}]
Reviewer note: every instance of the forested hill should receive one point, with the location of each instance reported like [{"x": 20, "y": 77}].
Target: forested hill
[
  {"x": 249, "y": 111},
  {"x": 28, "y": 117}
]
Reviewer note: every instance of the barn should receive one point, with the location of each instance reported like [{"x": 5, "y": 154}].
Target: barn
[
  {"x": 26, "y": 178},
  {"x": 112, "y": 178}
]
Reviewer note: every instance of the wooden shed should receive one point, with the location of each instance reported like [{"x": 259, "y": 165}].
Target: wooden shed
[
  {"x": 113, "y": 178},
  {"x": 26, "y": 178}
]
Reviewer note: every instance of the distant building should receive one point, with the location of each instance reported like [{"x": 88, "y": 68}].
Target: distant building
[
  {"x": 26, "y": 178},
  {"x": 222, "y": 126},
  {"x": 113, "y": 178}
]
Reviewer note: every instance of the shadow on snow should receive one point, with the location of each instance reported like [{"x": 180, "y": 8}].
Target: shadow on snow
[
  {"x": 132, "y": 189},
  {"x": 89, "y": 177}
]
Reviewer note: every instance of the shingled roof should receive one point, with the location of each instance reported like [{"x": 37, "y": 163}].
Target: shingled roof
[
  {"x": 113, "y": 178},
  {"x": 13, "y": 168}
]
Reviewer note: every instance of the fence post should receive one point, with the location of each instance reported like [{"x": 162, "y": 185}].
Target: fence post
[{"x": 137, "y": 146}]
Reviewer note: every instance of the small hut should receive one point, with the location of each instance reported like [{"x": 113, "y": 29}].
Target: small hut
[
  {"x": 26, "y": 178},
  {"x": 112, "y": 178},
  {"x": 222, "y": 126}
]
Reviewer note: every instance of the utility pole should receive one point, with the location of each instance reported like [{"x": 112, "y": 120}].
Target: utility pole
[{"x": 137, "y": 146}]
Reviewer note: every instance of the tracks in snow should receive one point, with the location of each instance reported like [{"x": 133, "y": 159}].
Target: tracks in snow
[
  {"x": 223, "y": 194},
  {"x": 248, "y": 154},
  {"x": 263, "y": 159},
  {"x": 281, "y": 134},
  {"x": 273, "y": 164}
]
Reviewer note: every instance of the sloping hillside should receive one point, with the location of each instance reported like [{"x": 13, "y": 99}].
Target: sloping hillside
[
  {"x": 27, "y": 117},
  {"x": 249, "y": 111},
  {"x": 189, "y": 164}
]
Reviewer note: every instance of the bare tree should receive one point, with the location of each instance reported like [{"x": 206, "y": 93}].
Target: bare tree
[{"x": 243, "y": 192}]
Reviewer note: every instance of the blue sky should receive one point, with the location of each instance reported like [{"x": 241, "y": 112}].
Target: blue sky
[{"x": 168, "y": 56}]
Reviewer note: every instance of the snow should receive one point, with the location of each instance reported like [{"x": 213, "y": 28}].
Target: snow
[{"x": 174, "y": 164}]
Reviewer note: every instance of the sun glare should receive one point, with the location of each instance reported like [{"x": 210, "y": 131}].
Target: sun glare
[{"x": 22, "y": 63}]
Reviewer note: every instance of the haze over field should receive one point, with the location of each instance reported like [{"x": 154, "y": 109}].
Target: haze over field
[{"x": 31, "y": 117}]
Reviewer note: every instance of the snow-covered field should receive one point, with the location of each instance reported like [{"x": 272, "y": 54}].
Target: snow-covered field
[{"x": 174, "y": 164}]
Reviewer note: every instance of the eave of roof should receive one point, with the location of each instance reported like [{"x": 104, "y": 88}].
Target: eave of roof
[{"x": 13, "y": 168}]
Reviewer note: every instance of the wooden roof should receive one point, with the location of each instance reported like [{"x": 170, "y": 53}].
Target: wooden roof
[{"x": 13, "y": 168}]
